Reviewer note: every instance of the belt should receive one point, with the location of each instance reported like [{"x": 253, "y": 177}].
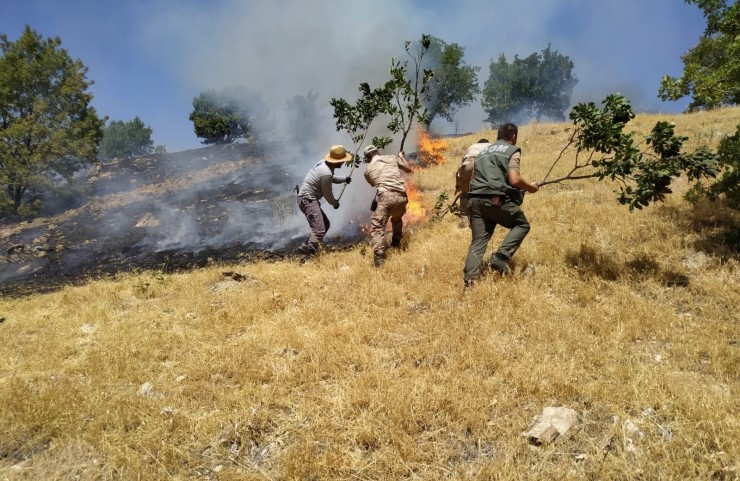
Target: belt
[
  {"x": 496, "y": 200},
  {"x": 483, "y": 196}
]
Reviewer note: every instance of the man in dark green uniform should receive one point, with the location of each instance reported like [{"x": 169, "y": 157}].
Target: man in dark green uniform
[{"x": 496, "y": 192}]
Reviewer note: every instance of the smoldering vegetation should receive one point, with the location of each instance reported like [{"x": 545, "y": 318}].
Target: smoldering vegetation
[{"x": 165, "y": 212}]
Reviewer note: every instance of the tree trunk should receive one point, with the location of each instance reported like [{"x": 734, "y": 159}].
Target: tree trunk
[{"x": 16, "y": 192}]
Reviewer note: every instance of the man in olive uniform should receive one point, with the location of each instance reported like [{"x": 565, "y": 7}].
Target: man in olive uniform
[
  {"x": 316, "y": 185},
  {"x": 384, "y": 173},
  {"x": 494, "y": 198},
  {"x": 463, "y": 176}
]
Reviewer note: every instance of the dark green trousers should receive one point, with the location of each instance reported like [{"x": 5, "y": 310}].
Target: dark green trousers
[{"x": 484, "y": 217}]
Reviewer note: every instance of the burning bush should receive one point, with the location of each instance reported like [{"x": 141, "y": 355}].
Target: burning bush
[{"x": 430, "y": 151}]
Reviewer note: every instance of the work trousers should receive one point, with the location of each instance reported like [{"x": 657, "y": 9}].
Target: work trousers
[
  {"x": 391, "y": 206},
  {"x": 317, "y": 221},
  {"x": 484, "y": 217}
]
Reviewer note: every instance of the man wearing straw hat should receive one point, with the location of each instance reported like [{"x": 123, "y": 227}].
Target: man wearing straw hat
[
  {"x": 384, "y": 173},
  {"x": 316, "y": 185}
]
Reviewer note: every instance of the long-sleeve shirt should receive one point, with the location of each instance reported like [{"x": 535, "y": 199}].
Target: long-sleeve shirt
[
  {"x": 384, "y": 173},
  {"x": 317, "y": 183}
]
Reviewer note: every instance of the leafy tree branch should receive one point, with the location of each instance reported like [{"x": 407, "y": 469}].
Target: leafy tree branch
[{"x": 602, "y": 149}]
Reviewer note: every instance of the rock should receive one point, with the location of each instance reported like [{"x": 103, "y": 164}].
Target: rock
[
  {"x": 146, "y": 389},
  {"x": 551, "y": 423},
  {"x": 632, "y": 431}
]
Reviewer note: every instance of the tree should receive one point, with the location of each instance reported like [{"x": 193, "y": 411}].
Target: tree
[
  {"x": 455, "y": 83},
  {"x": 410, "y": 89},
  {"x": 48, "y": 130},
  {"x": 224, "y": 116},
  {"x": 711, "y": 78},
  {"x": 126, "y": 140},
  {"x": 711, "y": 74},
  {"x": 401, "y": 99},
  {"x": 536, "y": 86}
]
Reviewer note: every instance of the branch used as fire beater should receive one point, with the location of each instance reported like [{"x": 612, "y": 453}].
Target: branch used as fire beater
[
  {"x": 449, "y": 207},
  {"x": 350, "y": 172}
]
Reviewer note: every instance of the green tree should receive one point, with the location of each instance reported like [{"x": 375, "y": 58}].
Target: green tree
[
  {"x": 126, "y": 139},
  {"x": 536, "y": 86},
  {"x": 48, "y": 130},
  {"x": 711, "y": 75},
  {"x": 455, "y": 83},
  {"x": 221, "y": 117},
  {"x": 410, "y": 88},
  {"x": 401, "y": 99}
]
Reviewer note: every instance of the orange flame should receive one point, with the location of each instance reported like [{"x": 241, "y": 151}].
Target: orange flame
[
  {"x": 365, "y": 226},
  {"x": 415, "y": 211},
  {"x": 430, "y": 151}
]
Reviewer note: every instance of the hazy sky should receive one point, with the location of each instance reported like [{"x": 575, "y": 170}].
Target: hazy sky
[{"x": 150, "y": 58}]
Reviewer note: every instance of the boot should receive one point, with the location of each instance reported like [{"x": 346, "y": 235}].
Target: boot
[
  {"x": 379, "y": 260},
  {"x": 498, "y": 263}
]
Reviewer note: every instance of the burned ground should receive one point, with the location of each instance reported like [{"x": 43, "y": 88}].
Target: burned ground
[{"x": 161, "y": 212}]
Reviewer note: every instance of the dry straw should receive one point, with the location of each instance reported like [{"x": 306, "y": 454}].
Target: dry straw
[{"x": 336, "y": 370}]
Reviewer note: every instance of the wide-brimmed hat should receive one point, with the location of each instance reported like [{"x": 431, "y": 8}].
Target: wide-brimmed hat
[
  {"x": 370, "y": 149},
  {"x": 337, "y": 154}
]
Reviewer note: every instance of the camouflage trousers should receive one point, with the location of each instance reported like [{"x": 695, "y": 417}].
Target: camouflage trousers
[{"x": 391, "y": 206}]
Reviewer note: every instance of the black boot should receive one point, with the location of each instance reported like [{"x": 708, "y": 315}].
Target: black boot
[{"x": 498, "y": 263}]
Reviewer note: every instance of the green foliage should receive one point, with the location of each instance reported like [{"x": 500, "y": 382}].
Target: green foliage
[
  {"x": 126, "y": 140},
  {"x": 221, "y": 117},
  {"x": 455, "y": 83},
  {"x": 442, "y": 207},
  {"x": 711, "y": 75},
  {"x": 401, "y": 98},
  {"x": 610, "y": 152},
  {"x": 356, "y": 119},
  {"x": 535, "y": 86},
  {"x": 48, "y": 130},
  {"x": 410, "y": 90},
  {"x": 728, "y": 154}
]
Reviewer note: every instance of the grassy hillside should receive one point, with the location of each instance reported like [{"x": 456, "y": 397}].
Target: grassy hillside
[{"x": 336, "y": 370}]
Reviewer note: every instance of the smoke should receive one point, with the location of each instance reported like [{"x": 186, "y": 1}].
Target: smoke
[{"x": 151, "y": 59}]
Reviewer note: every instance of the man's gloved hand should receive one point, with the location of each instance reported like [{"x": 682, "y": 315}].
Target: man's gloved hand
[
  {"x": 374, "y": 205},
  {"x": 336, "y": 206},
  {"x": 348, "y": 180}
]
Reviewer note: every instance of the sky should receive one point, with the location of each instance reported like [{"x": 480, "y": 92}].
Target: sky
[{"x": 151, "y": 58}]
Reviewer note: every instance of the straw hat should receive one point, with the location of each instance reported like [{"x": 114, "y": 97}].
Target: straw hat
[{"x": 337, "y": 155}]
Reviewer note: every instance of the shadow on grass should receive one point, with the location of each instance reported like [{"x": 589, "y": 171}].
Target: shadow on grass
[
  {"x": 716, "y": 225},
  {"x": 591, "y": 262}
]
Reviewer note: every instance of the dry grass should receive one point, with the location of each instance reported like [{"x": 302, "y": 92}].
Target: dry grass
[{"x": 336, "y": 370}]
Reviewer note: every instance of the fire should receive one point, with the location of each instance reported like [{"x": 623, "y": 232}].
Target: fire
[
  {"x": 431, "y": 151},
  {"x": 415, "y": 211}
]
